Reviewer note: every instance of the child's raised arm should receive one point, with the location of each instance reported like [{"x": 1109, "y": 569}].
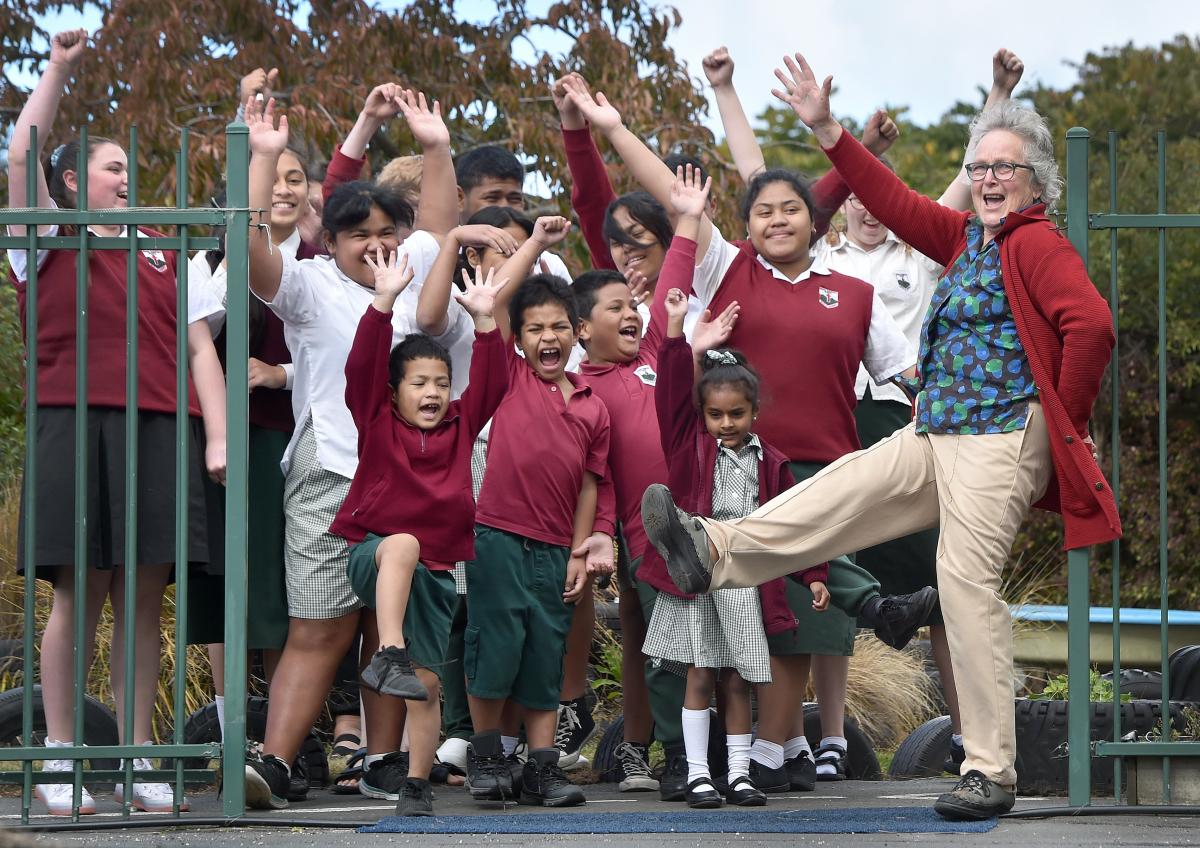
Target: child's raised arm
[
  {"x": 591, "y": 189},
  {"x": 66, "y": 54},
  {"x": 434, "y": 298},
  {"x": 747, "y": 155},
  {"x": 548, "y": 231},
  {"x": 689, "y": 199},
  {"x": 267, "y": 143},
  {"x": 367, "y": 363},
  {"x": 437, "y": 210},
  {"x": 382, "y": 104}
]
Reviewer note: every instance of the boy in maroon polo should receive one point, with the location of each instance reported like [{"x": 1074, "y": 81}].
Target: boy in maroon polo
[
  {"x": 409, "y": 511},
  {"x": 545, "y": 518}
]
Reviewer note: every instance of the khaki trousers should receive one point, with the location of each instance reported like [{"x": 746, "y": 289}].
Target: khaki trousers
[{"x": 979, "y": 488}]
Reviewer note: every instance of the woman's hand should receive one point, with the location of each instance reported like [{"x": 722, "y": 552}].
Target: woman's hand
[
  {"x": 1007, "y": 69},
  {"x": 689, "y": 196},
  {"x": 808, "y": 98},
  {"x": 67, "y": 49},
  {"x": 265, "y": 138},
  {"x": 597, "y": 110}
]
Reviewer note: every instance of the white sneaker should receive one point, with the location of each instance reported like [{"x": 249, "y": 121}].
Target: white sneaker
[
  {"x": 149, "y": 797},
  {"x": 58, "y": 796},
  {"x": 453, "y": 752}
]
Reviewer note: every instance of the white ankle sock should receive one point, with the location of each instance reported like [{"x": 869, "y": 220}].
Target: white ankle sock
[
  {"x": 837, "y": 742},
  {"x": 220, "y": 699},
  {"x": 510, "y": 744},
  {"x": 796, "y": 746},
  {"x": 739, "y": 754},
  {"x": 695, "y": 742},
  {"x": 767, "y": 753},
  {"x": 373, "y": 758}
]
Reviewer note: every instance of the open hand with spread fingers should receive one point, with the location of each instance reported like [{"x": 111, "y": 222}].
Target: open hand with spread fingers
[
  {"x": 479, "y": 298},
  {"x": 392, "y": 274}
]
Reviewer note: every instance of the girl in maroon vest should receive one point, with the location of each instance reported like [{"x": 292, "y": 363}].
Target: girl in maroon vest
[{"x": 54, "y": 548}]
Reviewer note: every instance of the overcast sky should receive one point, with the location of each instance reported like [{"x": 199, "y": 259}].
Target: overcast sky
[{"x": 925, "y": 54}]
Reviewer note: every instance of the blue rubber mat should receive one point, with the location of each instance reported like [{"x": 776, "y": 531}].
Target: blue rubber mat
[{"x": 862, "y": 820}]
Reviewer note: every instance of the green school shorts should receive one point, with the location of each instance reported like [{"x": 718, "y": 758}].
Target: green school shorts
[
  {"x": 430, "y": 604},
  {"x": 517, "y": 623}
]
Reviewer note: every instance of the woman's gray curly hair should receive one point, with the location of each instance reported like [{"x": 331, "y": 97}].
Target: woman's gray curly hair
[{"x": 1038, "y": 143}]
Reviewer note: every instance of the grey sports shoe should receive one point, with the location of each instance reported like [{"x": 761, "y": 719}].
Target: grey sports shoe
[
  {"x": 974, "y": 798},
  {"x": 679, "y": 538}
]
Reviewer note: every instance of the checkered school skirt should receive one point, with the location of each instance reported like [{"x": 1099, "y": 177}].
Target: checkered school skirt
[
  {"x": 721, "y": 630},
  {"x": 314, "y": 559},
  {"x": 478, "y": 463}
]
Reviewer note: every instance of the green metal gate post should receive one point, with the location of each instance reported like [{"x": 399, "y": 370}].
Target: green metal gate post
[
  {"x": 1079, "y": 773},
  {"x": 237, "y": 349}
]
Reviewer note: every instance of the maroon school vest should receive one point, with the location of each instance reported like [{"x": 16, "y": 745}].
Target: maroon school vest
[
  {"x": 806, "y": 341},
  {"x": 106, "y": 329}
]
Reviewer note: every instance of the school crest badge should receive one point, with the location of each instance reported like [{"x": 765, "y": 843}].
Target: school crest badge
[
  {"x": 902, "y": 280},
  {"x": 646, "y": 374},
  {"x": 156, "y": 259},
  {"x": 828, "y": 298}
]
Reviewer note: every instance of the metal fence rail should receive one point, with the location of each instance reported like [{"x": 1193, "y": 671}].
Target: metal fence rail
[
  {"x": 1079, "y": 223},
  {"x": 237, "y": 218}
]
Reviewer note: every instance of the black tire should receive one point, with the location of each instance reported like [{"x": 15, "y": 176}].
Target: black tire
[
  {"x": 605, "y": 761},
  {"x": 204, "y": 726},
  {"x": 1184, "y": 669},
  {"x": 861, "y": 762},
  {"x": 1139, "y": 684},
  {"x": 924, "y": 751},
  {"x": 1042, "y": 734},
  {"x": 99, "y": 723}
]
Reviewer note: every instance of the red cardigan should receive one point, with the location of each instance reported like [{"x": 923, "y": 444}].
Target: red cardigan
[
  {"x": 692, "y": 455},
  {"x": 592, "y": 192},
  {"x": 1064, "y": 325}
]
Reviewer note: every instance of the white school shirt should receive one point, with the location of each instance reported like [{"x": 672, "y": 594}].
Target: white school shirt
[
  {"x": 320, "y": 308},
  {"x": 887, "y": 352},
  {"x": 903, "y": 279}
]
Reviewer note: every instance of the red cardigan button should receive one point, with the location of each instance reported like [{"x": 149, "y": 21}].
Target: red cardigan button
[{"x": 1099, "y": 486}]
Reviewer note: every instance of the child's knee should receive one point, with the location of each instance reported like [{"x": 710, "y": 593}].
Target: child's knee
[{"x": 399, "y": 548}]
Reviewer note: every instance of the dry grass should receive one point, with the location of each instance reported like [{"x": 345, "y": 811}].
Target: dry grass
[{"x": 888, "y": 692}]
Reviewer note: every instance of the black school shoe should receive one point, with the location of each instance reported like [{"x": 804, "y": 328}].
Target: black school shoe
[
  {"x": 897, "y": 618},
  {"x": 974, "y": 798},
  {"x": 802, "y": 772},
  {"x": 673, "y": 784},
  {"x": 702, "y": 794},
  {"x": 834, "y": 760},
  {"x": 743, "y": 793},
  {"x": 488, "y": 777},
  {"x": 266, "y": 783},
  {"x": 391, "y": 673},
  {"x": 383, "y": 779},
  {"x": 679, "y": 538},
  {"x": 545, "y": 784},
  {"x": 767, "y": 779},
  {"x": 416, "y": 798}
]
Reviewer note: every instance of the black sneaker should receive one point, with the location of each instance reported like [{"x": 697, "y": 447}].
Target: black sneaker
[
  {"x": 575, "y": 727},
  {"x": 742, "y": 792},
  {"x": 802, "y": 772},
  {"x": 383, "y": 779},
  {"x": 767, "y": 779},
  {"x": 516, "y": 767},
  {"x": 679, "y": 538},
  {"x": 831, "y": 763},
  {"x": 488, "y": 777},
  {"x": 955, "y": 759},
  {"x": 673, "y": 784},
  {"x": 974, "y": 798},
  {"x": 545, "y": 784},
  {"x": 633, "y": 763},
  {"x": 266, "y": 783},
  {"x": 416, "y": 798},
  {"x": 897, "y": 618},
  {"x": 298, "y": 782},
  {"x": 391, "y": 673}
]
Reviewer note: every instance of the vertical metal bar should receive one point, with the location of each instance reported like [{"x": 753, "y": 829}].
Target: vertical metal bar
[
  {"x": 1078, "y": 622},
  {"x": 1162, "y": 458},
  {"x": 181, "y": 574},
  {"x": 183, "y": 454},
  {"x": 1115, "y": 450},
  {"x": 237, "y": 352},
  {"x": 30, "y": 480},
  {"x": 131, "y": 476},
  {"x": 81, "y": 463}
]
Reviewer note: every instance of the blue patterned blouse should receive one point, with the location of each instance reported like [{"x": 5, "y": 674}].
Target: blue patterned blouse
[{"x": 974, "y": 375}]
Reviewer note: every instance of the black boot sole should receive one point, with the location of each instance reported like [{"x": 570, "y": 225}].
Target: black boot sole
[{"x": 672, "y": 542}]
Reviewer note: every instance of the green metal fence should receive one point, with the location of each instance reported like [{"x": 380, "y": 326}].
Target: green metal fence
[
  {"x": 1080, "y": 221},
  {"x": 183, "y": 220}
]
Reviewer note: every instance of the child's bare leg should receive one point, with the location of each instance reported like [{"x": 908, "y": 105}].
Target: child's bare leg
[
  {"x": 385, "y": 714},
  {"x": 396, "y": 559},
  {"x": 829, "y": 681},
  {"x": 539, "y": 728},
  {"x": 635, "y": 697},
  {"x": 941, "y": 657},
  {"x": 57, "y": 656},
  {"x": 151, "y": 584},
  {"x": 486, "y": 714},
  {"x": 579, "y": 643},
  {"x": 216, "y": 662},
  {"x": 423, "y": 726},
  {"x": 700, "y": 685}
]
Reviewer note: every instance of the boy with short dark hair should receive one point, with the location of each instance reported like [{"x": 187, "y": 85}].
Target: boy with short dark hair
[
  {"x": 545, "y": 519},
  {"x": 409, "y": 512},
  {"x": 489, "y": 176}
]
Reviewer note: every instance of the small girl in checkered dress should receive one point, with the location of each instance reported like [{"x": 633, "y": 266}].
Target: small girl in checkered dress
[{"x": 726, "y": 472}]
